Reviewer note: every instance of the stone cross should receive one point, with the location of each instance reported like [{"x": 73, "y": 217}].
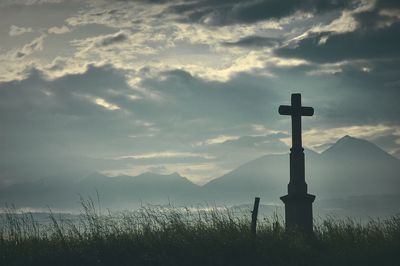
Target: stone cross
[
  {"x": 298, "y": 203},
  {"x": 296, "y": 111}
]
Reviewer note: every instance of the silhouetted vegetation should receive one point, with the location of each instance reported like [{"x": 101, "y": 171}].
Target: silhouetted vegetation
[{"x": 184, "y": 236}]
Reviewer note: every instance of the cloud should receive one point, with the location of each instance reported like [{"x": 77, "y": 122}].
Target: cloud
[
  {"x": 220, "y": 139},
  {"x": 159, "y": 169},
  {"x": 166, "y": 154},
  {"x": 112, "y": 39},
  {"x": 30, "y": 48},
  {"x": 369, "y": 44},
  {"x": 170, "y": 82},
  {"x": 29, "y": 2},
  {"x": 389, "y": 141},
  {"x": 118, "y": 14},
  {"x": 348, "y": 96},
  {"x": 242, "y": 97},
  {"x": 15, "y": 30},
  {"x": 59, "y": 30},
  {"x": 103, "y": 103},
  {"x": 51, "y": 124},
  {"x": 219, "y": 13},
  {"x": 196, "y": 127},
  {"x": 376, "y": 88},
  {"x": 369, "y": 32},
  {"x": 254, "y": 41},
  {"x": 155, "y": 40},
  {"x": 314, "y": 137},
  {"x": 264, "y": 144},
  {"x": 83, "y": 120},
  {"x": 269, "y": 143}
]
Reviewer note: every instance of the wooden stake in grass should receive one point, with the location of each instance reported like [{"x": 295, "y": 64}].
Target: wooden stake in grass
[{"x": 254, "y": 214}]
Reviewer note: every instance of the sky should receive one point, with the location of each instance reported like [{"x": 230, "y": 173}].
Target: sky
[{"x": 125, "y": 87}]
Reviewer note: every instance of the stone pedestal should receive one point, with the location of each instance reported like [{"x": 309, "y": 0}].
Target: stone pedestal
[{"x": 298, "y": 212}]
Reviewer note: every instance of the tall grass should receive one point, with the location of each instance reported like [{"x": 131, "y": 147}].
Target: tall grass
[{"x": 156, "y": 235}]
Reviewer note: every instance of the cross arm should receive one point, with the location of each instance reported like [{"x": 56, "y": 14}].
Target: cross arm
[
  {"x": 307, "y": 111},
  {"x": 285, "y": 110}
]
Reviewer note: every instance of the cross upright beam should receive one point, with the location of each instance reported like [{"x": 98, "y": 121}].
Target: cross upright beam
[{"x": 298, "y": 203}]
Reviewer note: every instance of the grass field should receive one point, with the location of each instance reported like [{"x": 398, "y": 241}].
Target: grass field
[{"x": 183, "y": 236}]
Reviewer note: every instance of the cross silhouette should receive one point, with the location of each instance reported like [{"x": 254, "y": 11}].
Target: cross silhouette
[
  {"x": 298, "y": 203},
  {"x": 296, "y": 111}
]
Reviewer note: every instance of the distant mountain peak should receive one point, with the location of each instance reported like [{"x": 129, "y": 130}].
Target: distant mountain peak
[
  {"x": 350, "y": 141},
  {"x": 346, "y": 138},
  {"x": 351, "y": 146}
]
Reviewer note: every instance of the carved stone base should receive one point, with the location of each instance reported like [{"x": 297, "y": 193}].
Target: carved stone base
[{"x": 298, "y": 212}]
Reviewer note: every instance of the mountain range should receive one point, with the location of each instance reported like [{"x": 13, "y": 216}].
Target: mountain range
[
  {"x": 349, "y": 172},
  {"x": 350, "y": 167}
]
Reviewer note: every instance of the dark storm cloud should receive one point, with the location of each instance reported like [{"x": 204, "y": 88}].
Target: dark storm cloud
[
  {"x": 360, "y": 44},
  {"x": 377, "y": 36},
  {"x": 379, "y": 16},
  {"x": 365, "y": 88},
  {"x": 244, "y": 97},
  {"x": 236, "y": 11},
  {"x": 361, "y": 93},
  {"x": 372, "y": 96},
  {"x": 254, "y": 41}
]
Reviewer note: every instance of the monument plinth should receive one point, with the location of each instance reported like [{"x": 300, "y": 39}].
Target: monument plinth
[{"x": 298, "y": 203}]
